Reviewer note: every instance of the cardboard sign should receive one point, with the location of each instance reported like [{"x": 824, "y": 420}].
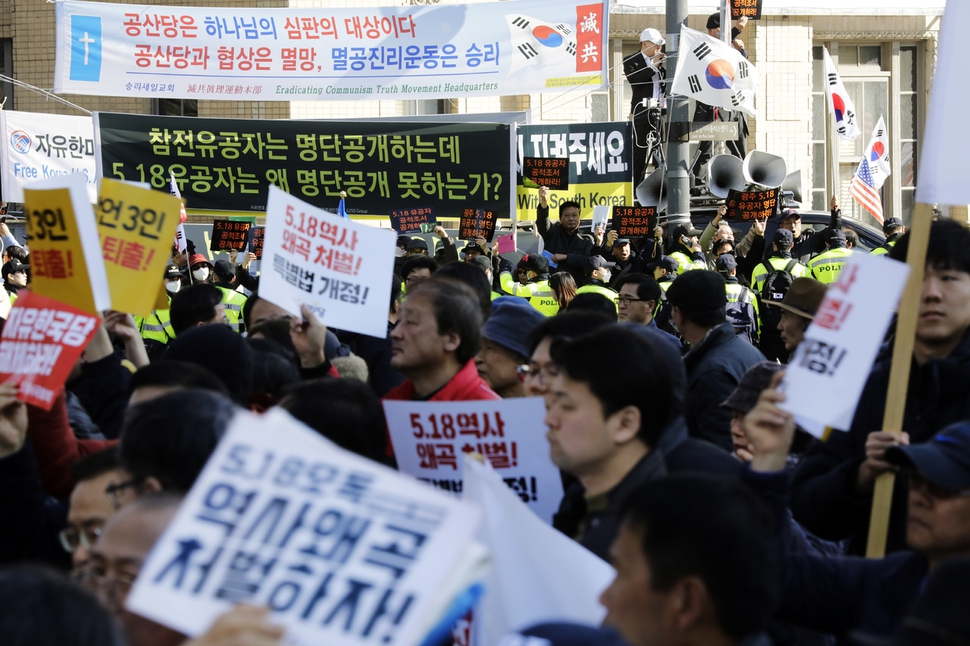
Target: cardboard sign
[
  {"x": 476, "y": 223},
  {"x": 601, "y": 215},
  {"x": 65, "y": 258},
  {"x": 137, "y": 226},
  {"x": 229, "y": 234},
  {"x": 41, "y": 342},
  {"x": 750, "y": 9},
  {"x": 634, "y": 221},
  {"x": 410, "y": 220},
  {"x": 344, "y": 551},
  {"x": 551, "y": 172},
  {"x": 527, "y": 583},
  {"x": 338, "y": 268},
  {"x": 751, "y": 205},
  {"x": 430, "y": 439},
  {"x": 255, "y": 244},
  {"x": 833, "y": 362}
]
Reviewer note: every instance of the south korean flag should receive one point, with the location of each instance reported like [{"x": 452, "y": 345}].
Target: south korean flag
[
  {"x": 714, "y": 73},
  {"x": 540, "y": 43}
]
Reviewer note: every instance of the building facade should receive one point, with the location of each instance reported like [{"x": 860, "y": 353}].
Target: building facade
[{"x": 885, "y": 51}]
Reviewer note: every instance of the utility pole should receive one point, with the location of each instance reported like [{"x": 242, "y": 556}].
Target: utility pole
[{"x": 678, "y": 113}]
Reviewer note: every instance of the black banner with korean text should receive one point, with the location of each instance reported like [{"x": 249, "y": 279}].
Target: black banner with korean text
[
  {"x": 229, "y": 234},
  {"x": 228, "y": 164},
  {"x": 634, "y": 221},
  {"x": 751, "y": 205}
]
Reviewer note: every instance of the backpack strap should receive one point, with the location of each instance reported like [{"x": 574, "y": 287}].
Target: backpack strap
[{"x": 791, "y": 265}]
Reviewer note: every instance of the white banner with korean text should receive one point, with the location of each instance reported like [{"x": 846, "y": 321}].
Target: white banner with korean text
[
  {"x": 431, "y": 438},
  {"x": 338, "y": 268},
  {"x": 349, "y": 53},
  {"x": 343, "y": 551},
  {"x": 826, "y": 374},
  {"x": 43, "y": 146}
]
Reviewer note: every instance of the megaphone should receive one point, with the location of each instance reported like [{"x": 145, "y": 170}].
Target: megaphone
[
  {"x": 724, "y": 174},
  {"x": 651, "y": 191},
  {"x": 764, "y": 169},
  {"x": 793, "y": 185}
]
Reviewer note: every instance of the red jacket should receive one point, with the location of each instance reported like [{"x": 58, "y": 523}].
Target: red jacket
[{"x": 465, "y": 386}]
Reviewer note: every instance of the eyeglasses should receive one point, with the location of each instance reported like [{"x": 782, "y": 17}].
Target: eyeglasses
[
  {"x": 628, "y": 299},
  {"x": 70, "y": 538},
  {"x": 545, "y": 373},
  {"x": 114, "y": 490},
  {"x": 917, "y": 481}
]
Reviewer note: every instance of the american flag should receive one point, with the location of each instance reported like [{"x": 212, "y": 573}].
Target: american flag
[{"x": 863, "y": 190}]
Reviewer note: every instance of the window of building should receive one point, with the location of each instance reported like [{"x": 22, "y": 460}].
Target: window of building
[
  {"x": 882, "y": 80},
  {"x": 175, "y": 107}
]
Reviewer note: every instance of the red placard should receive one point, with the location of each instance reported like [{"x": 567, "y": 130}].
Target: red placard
[
  {"x": 589, "y": 38},
  {"x": 41, "y": 342}
]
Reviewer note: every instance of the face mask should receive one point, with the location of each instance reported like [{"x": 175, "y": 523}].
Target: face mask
[
  {"x": 173, "y": 286},
  {"x": 607, "y": 276},
  {"x": 201, "y": 274}
]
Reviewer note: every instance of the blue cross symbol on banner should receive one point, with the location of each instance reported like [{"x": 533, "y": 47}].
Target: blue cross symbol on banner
[{"x": 85, "y": 48}]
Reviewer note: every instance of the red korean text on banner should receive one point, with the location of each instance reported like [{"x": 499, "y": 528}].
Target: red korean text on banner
[
  {"x": 229, "y": 234},
  {"x": 634, "y": 221},
  {"x": 589, "y": 38},
  {"x": 41, "y": 342}
]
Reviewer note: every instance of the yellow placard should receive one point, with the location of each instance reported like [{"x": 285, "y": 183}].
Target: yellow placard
[
  {"x": 57, "y": 266},
  {"x": 137, "y": 229}
]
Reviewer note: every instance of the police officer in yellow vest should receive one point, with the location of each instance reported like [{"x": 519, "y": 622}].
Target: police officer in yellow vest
[
  {"x": 892, "y": 228},
  {"x": 14, "y": 277},
  {"x": 533, "y": 282},
  {"x": 742, "y": 304},
  {"x": 781, "y": 257},
  {"x": 599, "y": 279},
  {"x": 687, "y": 248},
  {"x": 225, "y": 273},
  {"x": 664, "y": 271},
  {"x": 156, "y": 330},
  {"x": 826, "y": 266}
]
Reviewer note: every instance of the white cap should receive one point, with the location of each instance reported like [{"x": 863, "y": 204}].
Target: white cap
[{"x": 653, "y": 35}]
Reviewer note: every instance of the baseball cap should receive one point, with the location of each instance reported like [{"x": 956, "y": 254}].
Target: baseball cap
[
  {"x": 943, "y": 461},
  {"x": 417, "y": 243},
  {"x": 891, "y": 223},
  {"x": 14, "y": 266},
  {"x": 471, "y": 246},
  {"x": 482, "y": 261},
  {"x": 790, "y": 213},
  {"x": 726, "y": 263},
  {"x": 599, "y": 262},
  {"x": 783, "y": 237},
  {"x": 621, "y": 241},
  {"x": 714, "y": 21},
  {"x": 686, "y": 230},
  {"x": 224, "y": 268},
  {"x": 652, "y": 35},
  {"x": 665, "y": 262},
  {"x": 403, "y": 241},
  {"x": 697, "y": 290},
  {"x": 535, "y": 262},
  {"x": 834, "y": 236},
  {"x": 745, "y": 395},
  {"x": 171, "y": 271},
  {"x": 803, "y": 297}
]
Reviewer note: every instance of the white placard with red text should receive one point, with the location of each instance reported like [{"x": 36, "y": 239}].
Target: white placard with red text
[
  {"x": 825, "y": 377},
  {"x": 431, "y": 438},
  {"x": 338, "y": 268},
  {"x": 41, "y": 342}
]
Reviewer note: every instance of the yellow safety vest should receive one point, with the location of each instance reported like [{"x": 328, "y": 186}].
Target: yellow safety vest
[
  {"x": 234, "y": 302},
  {"x": 602, "y": 291},
  {"x": 538, "y": 293},
  {"x": 157, "y": 327},
  {"x": 883, "y": 249},
  {"x": 775, "y": 263},
  {"x": 826, "y": 266},
  {"x": 686, "y": 262}
]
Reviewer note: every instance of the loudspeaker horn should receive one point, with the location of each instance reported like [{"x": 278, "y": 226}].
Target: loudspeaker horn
[
  {"x": 764, "y": 169},
  {"x": 652, "y": 190},
  {"x": 725, "y": 173},
  {"x": 793, "y": 185}
]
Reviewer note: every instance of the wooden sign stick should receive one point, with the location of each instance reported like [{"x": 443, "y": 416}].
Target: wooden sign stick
[{"x": 919, "y": 236}]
